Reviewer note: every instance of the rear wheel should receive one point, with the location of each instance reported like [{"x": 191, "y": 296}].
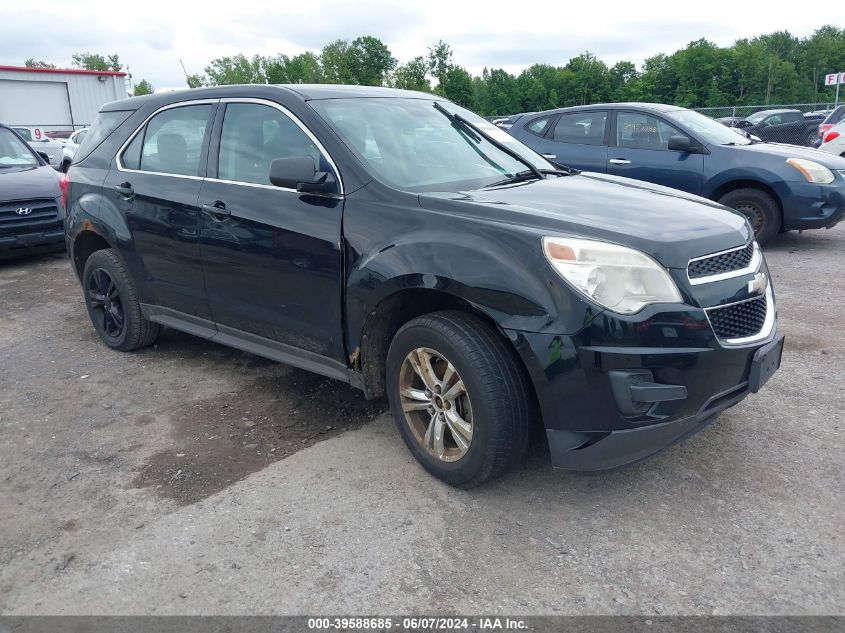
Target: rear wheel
[
  {"x": 65, "y": 166},
  {"x": 759, "y": 207},
  {"x": 811, "y": 138},
  {"x": 113, "y": 305},
  {"x": 458, "y": 397}
]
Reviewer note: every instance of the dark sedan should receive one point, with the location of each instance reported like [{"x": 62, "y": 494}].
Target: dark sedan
[
  {"x": 778, "y": 187},
  {"x": 30, "y": 198}
]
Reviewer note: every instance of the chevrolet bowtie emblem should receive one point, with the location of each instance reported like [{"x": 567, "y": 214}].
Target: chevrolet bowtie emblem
[{"x": 759, "y": 284}]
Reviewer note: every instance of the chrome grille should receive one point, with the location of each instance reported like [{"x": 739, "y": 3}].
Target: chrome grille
[
  {"x": 721, "y": 263},
  {"x": 42, "y": 212},
  {"x": 739, "y": 320}
]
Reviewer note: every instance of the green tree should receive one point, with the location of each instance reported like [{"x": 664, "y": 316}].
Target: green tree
[
  {"x": 237, "y": 69},
  {"x": 196, "y": 81},
  {"x": 334, "y": 59},
  {"x": 143, "y": 87},
  {"x": 369, "y": 61},
  {"x": 457, "y": 86},
  {"x": 412, "y": 76},
  {"x": 95, "y": 61},
  {"x": 300, "y": 69},
  {"x": 36, "y": 63}
]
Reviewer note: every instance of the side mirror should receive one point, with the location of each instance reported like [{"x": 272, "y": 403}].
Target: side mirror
[
  {"x": 300, "y": 173},
  {"x": 681, "y": 143},
  {"x": 743, "y": 123},
  {"x": 45, "y": 156}
]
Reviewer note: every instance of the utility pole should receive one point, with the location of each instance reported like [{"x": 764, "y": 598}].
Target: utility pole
[{"x": 184, "y": 71}]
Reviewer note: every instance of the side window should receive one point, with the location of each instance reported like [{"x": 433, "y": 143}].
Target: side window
[
  {"x": 253, "y": 135},
  {"x": 585, "y": 128},
  {"x": 80, "y": 136},
  {"x": 538, "y": 126},
  {"x": 641, "y": 131},
  {"x": 171, "y": 142},
  {"x": 25, "y": 134},
  {"x": 775, "y": 119},
  {"x": 132, "y": 155}
]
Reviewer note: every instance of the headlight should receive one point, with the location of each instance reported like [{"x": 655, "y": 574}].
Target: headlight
[
  {"x": 621, "y": 279},
  {"x": 811, "y": 170}
]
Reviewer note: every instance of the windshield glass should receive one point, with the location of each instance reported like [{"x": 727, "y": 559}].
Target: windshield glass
[
  {"x": 14, "y": 152},
  {"x": 411, "y": 145},
  {"x": 757, "y": 117},
  {"x": 710, "y": 131}
]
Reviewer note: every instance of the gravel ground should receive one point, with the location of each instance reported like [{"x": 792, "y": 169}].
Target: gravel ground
[{"x": 190, "y": 478}]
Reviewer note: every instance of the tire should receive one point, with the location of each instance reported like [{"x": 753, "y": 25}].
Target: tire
[
  {"x": 761, "y": 209},
  {"x": 113, "y": 304},
  {"x": 65, "y": 166},
  {"x": 811, "y": 138},
  {"x": 496, "y": 400}
]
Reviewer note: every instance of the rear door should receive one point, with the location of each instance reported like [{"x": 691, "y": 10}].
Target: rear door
[
  {"x": 271, "y": 256},
  {"x": 156, "y": 185},
  {"x": 574, "y": 139},
  {"x": 640, "y": 150}
]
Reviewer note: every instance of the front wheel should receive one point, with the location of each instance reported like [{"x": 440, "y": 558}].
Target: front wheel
[
  {"x": 458, "y": 397},
  {"x": 759, "y": 207}
]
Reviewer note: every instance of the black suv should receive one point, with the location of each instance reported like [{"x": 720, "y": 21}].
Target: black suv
[
  {"x": 400, "y": 243},
  {"x": 30, "y": 199}
]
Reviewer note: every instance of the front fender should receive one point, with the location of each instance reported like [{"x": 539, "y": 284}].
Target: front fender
[{"x": 500, "y": 272}]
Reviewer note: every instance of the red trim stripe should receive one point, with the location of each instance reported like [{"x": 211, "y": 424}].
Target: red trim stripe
[{"x": 69, "y": 71}]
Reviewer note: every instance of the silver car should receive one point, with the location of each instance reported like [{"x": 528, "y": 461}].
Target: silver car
[{"x": 70, "y": 147}]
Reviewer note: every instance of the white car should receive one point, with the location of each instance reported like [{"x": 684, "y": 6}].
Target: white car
[
  {"x": 834, "y": 140},
  {"x": 41, "y": 143},
  {"x": 71, "y": 145}
]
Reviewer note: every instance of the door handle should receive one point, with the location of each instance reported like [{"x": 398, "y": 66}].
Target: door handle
[
  {"x": 619, "y": 161},
  {"x": 217, "y": 210},
  {"x": 125, "y": 189},
  {"x": 549, "y": 156}
]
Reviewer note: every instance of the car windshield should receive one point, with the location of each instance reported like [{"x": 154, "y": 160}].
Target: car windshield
[
  {"x": 14, "y": 152},
  {"x": 710, "y": 131},
  {"x": 412, "y": 145},
  {"x": 757, "y": 117}
]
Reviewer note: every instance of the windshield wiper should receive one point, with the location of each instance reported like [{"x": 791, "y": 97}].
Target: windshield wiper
[
  {"x": 522, "y": 176},
  {"x": 459, "y": 121}
]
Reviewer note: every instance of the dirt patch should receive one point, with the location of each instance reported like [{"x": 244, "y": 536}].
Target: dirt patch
[{"x": 223, "y": 439}]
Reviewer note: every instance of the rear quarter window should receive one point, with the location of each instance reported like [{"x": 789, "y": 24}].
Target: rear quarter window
[
  {"x": 538, "y": 126},
  {"x": 104, "y": 124}
]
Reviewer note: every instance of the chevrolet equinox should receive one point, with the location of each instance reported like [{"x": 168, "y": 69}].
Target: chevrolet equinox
[{"x": 396, "y": 241}]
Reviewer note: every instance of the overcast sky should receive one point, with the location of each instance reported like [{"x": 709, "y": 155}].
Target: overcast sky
[{"x": 151, "y": 36}]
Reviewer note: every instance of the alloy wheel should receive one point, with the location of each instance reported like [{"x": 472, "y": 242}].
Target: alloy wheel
[
  {"x": 105, "y": 304},
  {"x": 436, "y": 404}
]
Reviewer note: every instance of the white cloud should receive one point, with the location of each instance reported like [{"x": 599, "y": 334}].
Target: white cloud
[{"x": 151, "y": 36}]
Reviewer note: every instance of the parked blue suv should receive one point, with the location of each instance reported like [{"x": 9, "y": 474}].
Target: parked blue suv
[{"x": 778, "y": 187}]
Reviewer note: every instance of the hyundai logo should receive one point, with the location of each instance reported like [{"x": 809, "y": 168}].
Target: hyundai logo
[{"x": 23, "y": 211}]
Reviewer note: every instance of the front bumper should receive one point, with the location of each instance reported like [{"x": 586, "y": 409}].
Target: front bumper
[
  {"x": 679, "y": 373},
  {"x": 812, "y": 206},
  {"x": 46, "y": 241}
]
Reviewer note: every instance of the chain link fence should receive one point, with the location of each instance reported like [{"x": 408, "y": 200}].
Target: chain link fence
[{"x": 796, "y": 123}]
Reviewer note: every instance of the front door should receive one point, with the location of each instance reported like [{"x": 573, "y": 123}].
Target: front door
[
  {"x": 156, "y": 186},
  {"x": 641, "y": 151},
  {"x": 271, "y": 256}
]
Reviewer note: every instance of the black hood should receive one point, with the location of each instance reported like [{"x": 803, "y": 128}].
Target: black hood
[
  {"x": 669, "y": 225},
  {"x": 28, "y": 183}
]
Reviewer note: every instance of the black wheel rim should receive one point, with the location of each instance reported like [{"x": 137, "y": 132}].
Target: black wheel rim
[
  {"x": 754, "y": 214},
  {"x": 105, "y": 304}
]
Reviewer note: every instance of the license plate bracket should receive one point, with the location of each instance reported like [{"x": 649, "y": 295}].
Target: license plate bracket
[{"x": 765, "y": 363}]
